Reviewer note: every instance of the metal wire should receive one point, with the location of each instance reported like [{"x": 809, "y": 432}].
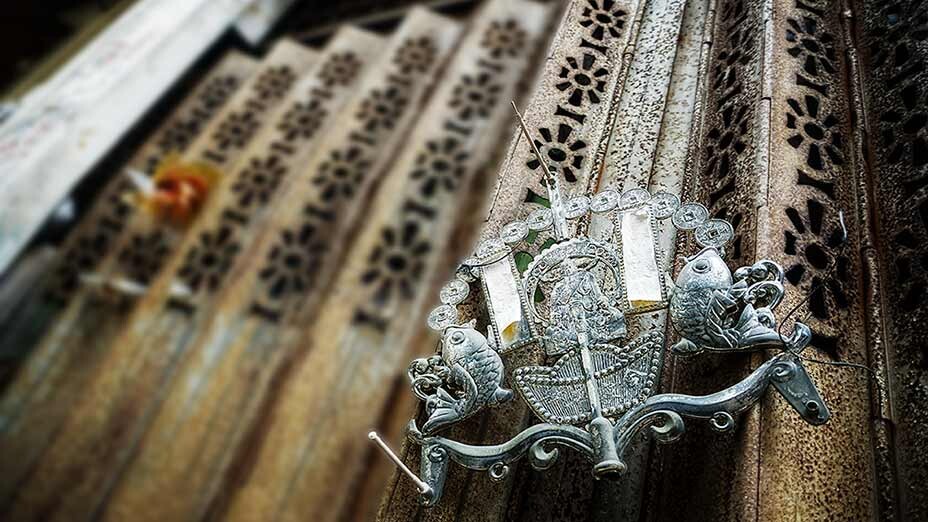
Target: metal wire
[{"x": 820, "y": 288}]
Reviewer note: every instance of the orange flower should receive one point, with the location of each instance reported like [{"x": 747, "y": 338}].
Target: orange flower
[{"x": 178, "y": 190}]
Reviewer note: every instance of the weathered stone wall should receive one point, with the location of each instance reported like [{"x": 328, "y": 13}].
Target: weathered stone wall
[{"x": 273, "y": 331}]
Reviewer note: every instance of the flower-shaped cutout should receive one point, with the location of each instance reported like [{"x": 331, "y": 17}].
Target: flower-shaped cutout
[
  {"x": 814, "y": 47},
  {"x": 726, "y": 141},
  {"x": 382, "y": 108},
  {"x": 215, "y": 94},
  {"x": 415, "y": 56},
  {"x": 563, "y": 151},
  {"x": 603, "y": 17},
  {"x": 733, "y": 14},
  {"x": 82, "y": 256},
  {"x": 504, "y": 38},
  {"x": 905, "y": 130},
  {"x": 911, "y": 263},
  {"x": 396, "y": 263},
  {"x": 177, "y": 136},
  {"x": 813, "y": 132},
  {"x": 118, "y": 209},
  {"x": 207, "y": 263},
  {"x": 581, "y": 79},
  {"x": 257, "y": 182},
  {"x": 729, "y": 62},
  {"x": 293, "y": 262},
  {"x": 274, "y": 83},
  {"x": 906, "y": 27},
  {"x": 340, "y": 69},
  {"x": 143, "y": 257},
  {"x": 817, "y": 259},
  {"x": 90, "y": 250},
  {"x": 340, "y": 175},
  {"x": 439, "y": 166},
  {"x": 725, "y": 211},
  {"x": 475, "y": 96},
  {"x": 236, "y": 130},
  {"x": 302, "y": 120}
]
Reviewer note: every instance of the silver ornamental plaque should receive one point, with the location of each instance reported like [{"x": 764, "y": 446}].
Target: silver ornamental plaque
[{"x": 595, "y": 389}]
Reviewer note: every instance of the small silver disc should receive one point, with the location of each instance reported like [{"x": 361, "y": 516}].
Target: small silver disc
[
  {"x": 604, "y": 201},
  {"x": 576, "y": 207},
  {"x": 443, "y": 317},
  {"x": 714, "y": 233},
  {"x": 490, "y": 247},
  {"x": 454, "y": 292},
  {"x": 540, "y": 219},
  {"x": 514, "y": 232},
  {"x": 634, "y": 198},
  {"x": 466, "y": 271},
  {"x": 690, "y": 216},
  {"x": 664, "y": 204}
]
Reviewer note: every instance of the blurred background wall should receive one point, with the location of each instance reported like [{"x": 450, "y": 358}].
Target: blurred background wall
[{"x": 223, "y": 224}]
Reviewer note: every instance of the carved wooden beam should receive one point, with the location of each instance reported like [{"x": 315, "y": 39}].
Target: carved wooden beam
[
  {"x": 67, "y": 124},
  {"x": 63, "y": 436},
  {"x": 93, "y": 238},
  {"x": 52, "y": 376},
  {"x": 332, "y": 389}
]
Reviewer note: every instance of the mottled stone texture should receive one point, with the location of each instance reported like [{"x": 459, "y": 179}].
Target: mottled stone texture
[
  {"x": 807, "y": 119},
  {"x": 356, "y": 174},
  {"x": 892, "y": 45}
]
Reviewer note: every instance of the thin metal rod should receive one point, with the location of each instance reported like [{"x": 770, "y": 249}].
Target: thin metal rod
[
  {"x": 554, "y": 187},
  {"x": 423, "y": 487},
  {"x": 531, "y": 142},
  {"x": 586, "y": 362},
  {"x": 141, "y": 181}
]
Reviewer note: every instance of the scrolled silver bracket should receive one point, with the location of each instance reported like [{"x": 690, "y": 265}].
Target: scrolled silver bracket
[
  {"x": 605, "y": 442},
  {"x": 595, "y": 392}
]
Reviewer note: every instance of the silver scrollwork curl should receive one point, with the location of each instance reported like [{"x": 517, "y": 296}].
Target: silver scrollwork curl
[
  {"x": 670, "y": 428},
  {"x": 438, "y": 454},
  {"x": 426, "y": 375},
  {"x": 783, "y": 371},
  {"x": 498, "y": 471},
  {"x": 722, "y": 421},
  {"x": 540, "y": 457}
]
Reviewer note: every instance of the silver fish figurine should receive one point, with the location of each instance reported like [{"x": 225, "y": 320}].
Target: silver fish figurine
[
  {"x": 713, "y": 312},
  {"x": 472, "y": 377}
]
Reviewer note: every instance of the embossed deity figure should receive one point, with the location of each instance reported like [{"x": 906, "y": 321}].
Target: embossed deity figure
[{"x": 579, "y": 297}]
